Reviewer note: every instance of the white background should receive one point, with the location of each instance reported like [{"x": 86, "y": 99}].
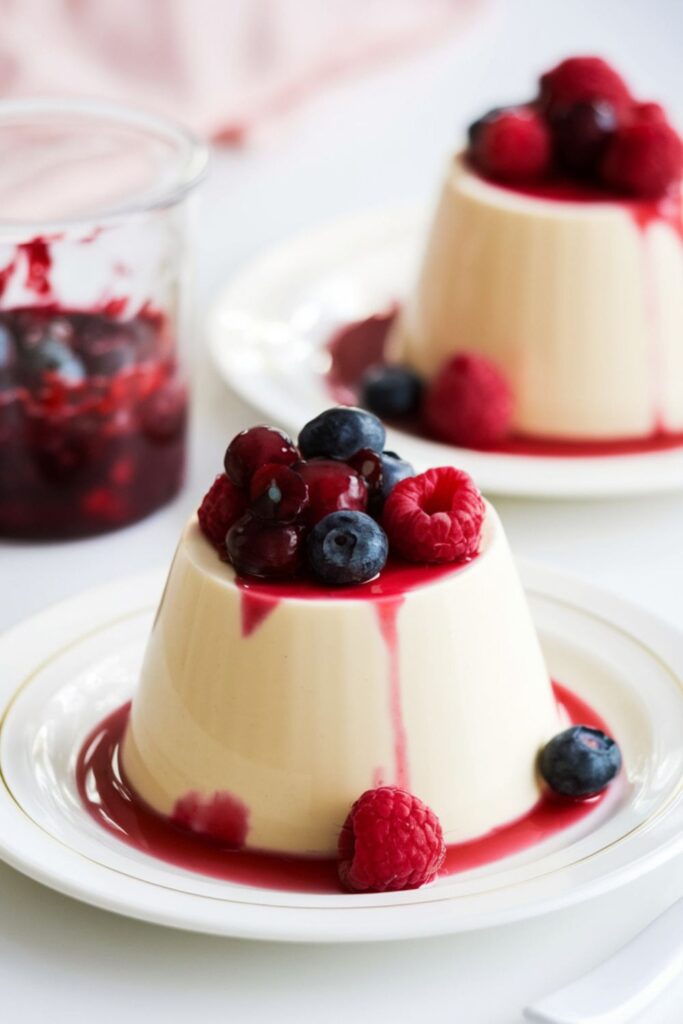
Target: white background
[{"x": 378, "y": 140}]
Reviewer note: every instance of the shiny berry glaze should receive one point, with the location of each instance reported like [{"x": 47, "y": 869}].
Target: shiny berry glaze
[
  {"x": 112, "y": 804},
  {"x": 82, "y": 456},
  {"x": 362, "y": 344}
]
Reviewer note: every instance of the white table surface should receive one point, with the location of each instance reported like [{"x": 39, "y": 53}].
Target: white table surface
[{"x": 376, "y": 140}]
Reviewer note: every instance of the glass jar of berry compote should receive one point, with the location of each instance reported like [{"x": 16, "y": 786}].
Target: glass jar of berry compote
[{"x": 95, "y": 214}]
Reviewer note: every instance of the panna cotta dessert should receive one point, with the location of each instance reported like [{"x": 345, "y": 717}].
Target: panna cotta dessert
[
  {"x": 343, "y": 666},
  {"x": 549, "y": 300}
]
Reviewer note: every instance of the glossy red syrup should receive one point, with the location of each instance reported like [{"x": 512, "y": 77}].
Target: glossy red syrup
[
  {"x": 112, "y": 804},
  {"x": 220, "y": 817},
  {"x": 356, "y": 347},
  {"x": 83, "y": 454}
]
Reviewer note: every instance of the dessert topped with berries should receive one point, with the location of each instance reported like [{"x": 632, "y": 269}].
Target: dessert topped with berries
[
  {"x": 343, "y": 672},
  {"x": 585, "y": 127},
  {"x": 333, "y": 507},
  {"x": 547, "y": 308},
  {"x": 546, "y": 317}
]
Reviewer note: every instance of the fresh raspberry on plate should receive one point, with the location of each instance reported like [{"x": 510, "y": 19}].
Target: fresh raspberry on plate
[
  {"x": 583, "y": 80},
  {"x": 390, "y": 841},
  {"x": 435, "y": 517},
  {"x": 222, "y": 506},
  {"x": 512, "y": 146},
  {"x": 643, "y": 159},
  {"x": 469, "y": 402}
]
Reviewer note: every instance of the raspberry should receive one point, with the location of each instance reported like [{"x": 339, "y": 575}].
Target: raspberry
[
  {"x": 469, "y": 402},
  {"x": 583, "y": 80},
  {"x": 512, "y": 146},
  {"x": 643, "y": 159},
  {"x": 435, "y": 517},
  {"x": 222, "y": 506},
  {"x": 649, "y": 112},
  {"x": 390, "y": 841}
]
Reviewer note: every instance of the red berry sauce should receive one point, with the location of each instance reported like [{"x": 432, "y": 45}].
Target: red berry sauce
[
  {"x": 93, "y": 412},
  {"x": 112, "y": 804}
]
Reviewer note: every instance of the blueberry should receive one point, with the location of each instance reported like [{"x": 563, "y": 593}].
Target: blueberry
[
  {"x": 347, "y": 547},
  {"x": 52, "y": 356},
  {"x": 580, "y": 761},
  {"x": 340, "y": 432},
  {"x": 394, "y": 469},
  {"x": 581, "y": 133},
  {"x": 106, "y": 346},
  {"x": 391, "y": 390}
]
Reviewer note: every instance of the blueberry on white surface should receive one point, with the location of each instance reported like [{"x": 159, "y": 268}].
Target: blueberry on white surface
[{"x": 580, "y": 761}]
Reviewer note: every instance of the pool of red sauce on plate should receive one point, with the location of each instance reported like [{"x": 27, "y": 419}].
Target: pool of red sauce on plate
[
  {"x": 111, "y": 802},
  {"x": 359, "y": 345}
]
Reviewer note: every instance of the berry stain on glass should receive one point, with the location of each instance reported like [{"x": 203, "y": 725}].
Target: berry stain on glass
[{"x": 93, "y": 400}]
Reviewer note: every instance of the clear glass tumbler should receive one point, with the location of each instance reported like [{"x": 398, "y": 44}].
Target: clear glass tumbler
[{"x": 95, "y": 231}]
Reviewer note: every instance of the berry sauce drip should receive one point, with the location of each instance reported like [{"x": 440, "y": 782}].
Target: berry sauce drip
[
  {"x": 111, "y": 803},
  {"x": 92, "y": 411},
  {"x": 387, "y": 613},
  {"x": 356, "y": 347},
  {"x": 386, "y": 592}
]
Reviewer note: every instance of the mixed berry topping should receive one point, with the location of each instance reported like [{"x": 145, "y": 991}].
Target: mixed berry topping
[
  {"x": 583, "y": 125},
  {"x": 435, "y": 517},
  {"x": 580, "y": 762},
  {"x": 335, "y": 519},
  {"x": 390, "y": 841}
]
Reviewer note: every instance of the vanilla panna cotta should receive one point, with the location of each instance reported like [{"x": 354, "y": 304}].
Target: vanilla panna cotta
[
  {"x": 579, "y": 304},
  {"x": 343, "y": 686},
  {"x": 292, "y": 704}
]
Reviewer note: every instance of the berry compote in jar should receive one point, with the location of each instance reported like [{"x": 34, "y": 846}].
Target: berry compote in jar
[{"x": 95, "y": 217}]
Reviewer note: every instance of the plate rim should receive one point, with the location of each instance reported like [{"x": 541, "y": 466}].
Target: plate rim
[
  {"x": 35, "y": 852},
  {"x": 626, "y": 475}
]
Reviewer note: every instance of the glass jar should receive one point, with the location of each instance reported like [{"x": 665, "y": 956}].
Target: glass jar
[{"x": 95, "y": 217}]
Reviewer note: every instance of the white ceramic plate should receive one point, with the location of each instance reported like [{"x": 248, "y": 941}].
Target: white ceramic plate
[
  {"x": 65, "y": 669},
  {"x": 268, "y": 333}
]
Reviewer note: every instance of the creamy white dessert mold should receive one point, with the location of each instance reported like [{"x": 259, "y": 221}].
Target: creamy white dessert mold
[
  {"x": 580, "y": 304},
  {"x": 299, "y": 716}
]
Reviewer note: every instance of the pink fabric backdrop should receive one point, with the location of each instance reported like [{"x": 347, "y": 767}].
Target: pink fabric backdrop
[{"x": 222, "y": 66}]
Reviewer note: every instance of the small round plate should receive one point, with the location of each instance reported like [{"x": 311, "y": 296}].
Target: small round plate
[
  {"x": 268, "y": 334},
  {"x": 67, "y": 668}
]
